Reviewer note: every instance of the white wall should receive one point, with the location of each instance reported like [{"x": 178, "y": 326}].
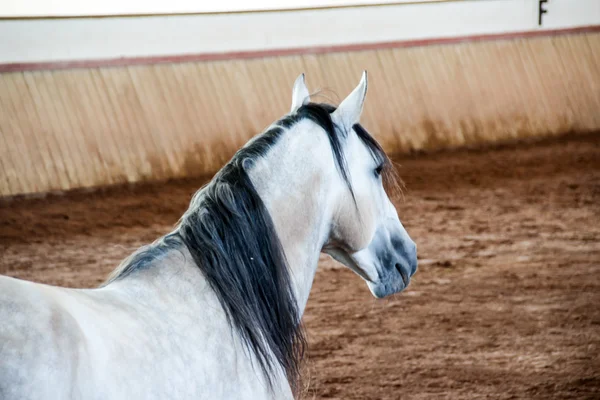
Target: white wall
[
  {"x": 78, "y": 8},
  {"x": 71, "y": 39}
]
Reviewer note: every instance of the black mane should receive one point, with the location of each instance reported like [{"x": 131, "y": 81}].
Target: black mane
[{"x": 233, "y": 241}]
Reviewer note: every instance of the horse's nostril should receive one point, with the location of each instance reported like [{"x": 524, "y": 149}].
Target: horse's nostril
[{"x": 403, "y": 274}]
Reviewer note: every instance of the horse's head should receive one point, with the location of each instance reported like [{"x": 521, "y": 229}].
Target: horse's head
[{"x": 366, "y": 233}]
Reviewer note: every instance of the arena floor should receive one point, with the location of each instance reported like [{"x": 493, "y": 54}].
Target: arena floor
[{"x": 505, "y": 304}]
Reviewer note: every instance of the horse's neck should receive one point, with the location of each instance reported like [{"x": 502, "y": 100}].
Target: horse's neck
[{"x": 291, "y": 182}]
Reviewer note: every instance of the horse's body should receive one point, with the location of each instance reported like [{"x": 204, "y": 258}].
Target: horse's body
[
  {"x": 163, "y": 336},
  {"x": 213, "y": 309}
]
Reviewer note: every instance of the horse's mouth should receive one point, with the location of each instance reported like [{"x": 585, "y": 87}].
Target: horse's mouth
[{"x": 403, "y": 274}]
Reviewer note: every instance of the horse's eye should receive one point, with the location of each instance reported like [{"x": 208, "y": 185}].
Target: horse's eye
[{"x": 378, "y": 170}]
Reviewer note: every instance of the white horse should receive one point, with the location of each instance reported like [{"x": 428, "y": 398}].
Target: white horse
[{"x": 213, "y": 309}]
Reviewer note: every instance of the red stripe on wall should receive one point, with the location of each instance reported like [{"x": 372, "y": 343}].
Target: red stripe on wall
[{"x": 124, "y": 61}]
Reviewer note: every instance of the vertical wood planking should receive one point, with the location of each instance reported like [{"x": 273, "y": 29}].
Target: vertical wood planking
[{"x": 91, "y": 127}]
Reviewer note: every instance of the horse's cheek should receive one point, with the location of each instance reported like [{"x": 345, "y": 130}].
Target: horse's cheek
[{"x": 355, "y": 225}]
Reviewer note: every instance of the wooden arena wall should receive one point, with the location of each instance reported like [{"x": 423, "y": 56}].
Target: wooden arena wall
[{"x": 88, "y": 126}]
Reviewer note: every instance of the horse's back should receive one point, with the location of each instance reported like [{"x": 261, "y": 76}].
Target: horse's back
[
  {"x": 58, "y": 343},
  {"x": 39, "y": 342}
]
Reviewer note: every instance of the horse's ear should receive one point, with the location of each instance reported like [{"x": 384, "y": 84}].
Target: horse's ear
[
  {"x": 349, "y": 111},
  {"x": 300, "y": 95}
]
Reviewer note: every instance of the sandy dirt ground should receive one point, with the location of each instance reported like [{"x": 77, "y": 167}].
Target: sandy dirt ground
[{"x": 505, "y": 304}]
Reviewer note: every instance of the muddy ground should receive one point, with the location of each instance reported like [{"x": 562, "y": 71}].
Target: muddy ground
[{"x": 505, "y": 304}]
